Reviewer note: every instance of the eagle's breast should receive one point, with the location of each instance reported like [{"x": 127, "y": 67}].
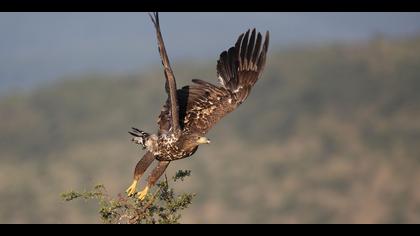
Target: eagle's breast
[{"x": 170, "y": 149}]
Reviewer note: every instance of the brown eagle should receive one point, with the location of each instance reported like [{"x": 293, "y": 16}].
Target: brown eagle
[{"x": 191, "y": 111}]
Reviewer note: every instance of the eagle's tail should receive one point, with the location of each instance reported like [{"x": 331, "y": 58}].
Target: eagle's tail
[{"x": 140, "y": 137}]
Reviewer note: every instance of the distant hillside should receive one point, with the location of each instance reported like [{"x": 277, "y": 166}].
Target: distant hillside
[{"x": 330, "y": 134}]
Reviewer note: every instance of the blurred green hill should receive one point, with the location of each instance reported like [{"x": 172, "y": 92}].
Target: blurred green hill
[{"x": 330, "y": 134}]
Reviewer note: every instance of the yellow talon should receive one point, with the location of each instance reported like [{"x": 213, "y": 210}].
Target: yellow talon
[
  {"x": 142, "y": 195},
  {"x": 132, "y": 189}
]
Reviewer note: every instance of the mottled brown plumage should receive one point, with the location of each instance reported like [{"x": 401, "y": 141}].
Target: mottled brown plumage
[{"x": 190, "y": 112}]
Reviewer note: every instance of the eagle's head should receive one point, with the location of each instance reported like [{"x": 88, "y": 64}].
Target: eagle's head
[{"x": 193, "y": 140}]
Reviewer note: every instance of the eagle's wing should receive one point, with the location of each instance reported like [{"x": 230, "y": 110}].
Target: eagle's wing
[
  {"x": 241, "y": 66},
  {"x": 170, "y": 85},
  {"x": 202, "y": 104}
]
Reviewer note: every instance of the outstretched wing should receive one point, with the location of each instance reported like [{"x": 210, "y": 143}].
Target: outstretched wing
[
  {"x": 202, "y": 104},
  {"x": 241, "y": 66},
  {"x": 170, "y": 85}
]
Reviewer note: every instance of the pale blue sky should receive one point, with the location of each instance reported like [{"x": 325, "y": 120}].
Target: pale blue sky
[{"x": 40, "y": 47}]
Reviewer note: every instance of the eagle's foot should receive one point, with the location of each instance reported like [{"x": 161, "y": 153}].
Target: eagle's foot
[
  {"x": 142, "y": 195},
  {"x": 132, "y": 189}
]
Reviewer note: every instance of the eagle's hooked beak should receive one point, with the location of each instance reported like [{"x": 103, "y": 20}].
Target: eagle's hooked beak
[{"x": 203, "y": 140}]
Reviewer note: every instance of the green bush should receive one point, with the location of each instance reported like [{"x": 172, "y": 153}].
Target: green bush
[{"x": 161, "y": 206}]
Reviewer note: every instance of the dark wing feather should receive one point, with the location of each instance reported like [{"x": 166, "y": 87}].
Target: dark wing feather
[
  {"x": 205, "y": 105},
  {"x": 170, "y": 84},
  {"x": 241, "y": 73},
  {"x": 202, "y": 104}
]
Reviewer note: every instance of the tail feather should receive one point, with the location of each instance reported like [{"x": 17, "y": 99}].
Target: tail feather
[{"x": 140, "y": 137}]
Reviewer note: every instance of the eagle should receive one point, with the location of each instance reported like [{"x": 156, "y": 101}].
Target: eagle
[{"x": 190, "y": 112}]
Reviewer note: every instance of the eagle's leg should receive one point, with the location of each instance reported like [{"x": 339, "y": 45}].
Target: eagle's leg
[
  {"x": 141, "y": 167},
  {"x": 154, "y": 176}
]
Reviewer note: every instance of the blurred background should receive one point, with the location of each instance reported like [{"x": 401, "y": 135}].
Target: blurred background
[{"x": 330, "y": 134}]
